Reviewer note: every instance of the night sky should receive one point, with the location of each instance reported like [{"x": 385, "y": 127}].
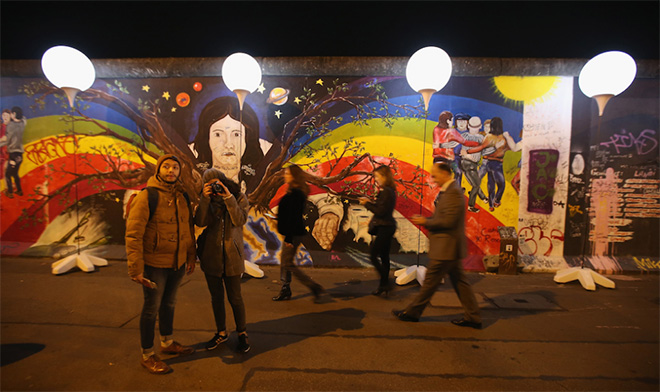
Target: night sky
[{"x": 122, "y": 29}]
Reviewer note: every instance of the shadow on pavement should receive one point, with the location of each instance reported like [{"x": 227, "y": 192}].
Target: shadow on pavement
[
  {"x": 17, "y": 351},
  {"x": 274, "y": 334}
]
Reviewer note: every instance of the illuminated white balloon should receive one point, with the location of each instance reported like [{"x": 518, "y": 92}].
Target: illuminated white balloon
[
  {"x": 609, "y": 73},
  {"x": 65, "y": 66},
  {"x": 428, "y": 70},
  {"x": 241, "y": 71}
]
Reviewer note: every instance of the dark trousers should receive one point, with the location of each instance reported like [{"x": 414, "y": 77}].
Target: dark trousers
[
  {"x": 471, "y": 170},
  {"x": 380, "y": 247},
  {"x": 436, "y": 270},
  {"x": 287, "y": 267},
  {"x": 233, "y": 285},
  {"x": 12, "y": 171},
  {"x": 495, "y": 170},
  {"x": 159, "y": 303}
]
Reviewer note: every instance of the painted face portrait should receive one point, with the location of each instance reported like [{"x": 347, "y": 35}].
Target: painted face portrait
[
  {"x": 227, "y": 144},
  {"x": 224, "y": 142}
]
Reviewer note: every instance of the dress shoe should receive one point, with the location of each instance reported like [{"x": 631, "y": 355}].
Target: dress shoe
[
  {"x": 473, "y": 209},
  {"x": 154, "y": 365},
  {"x": 285, "y": 293},
  {"x": 177, "y": 348},
  {"x": 466, "y": 323},
  {"x": 401, "y": 315}
]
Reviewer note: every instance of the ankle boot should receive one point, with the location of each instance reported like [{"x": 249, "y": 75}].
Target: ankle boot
[{"x": 285, "y": 293}]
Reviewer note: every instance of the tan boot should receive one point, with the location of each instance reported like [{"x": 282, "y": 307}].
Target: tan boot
[{"x": 154, "y": 365}]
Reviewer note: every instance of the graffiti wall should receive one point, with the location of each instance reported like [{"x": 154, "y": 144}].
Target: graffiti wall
[
  {"x": 614, "y": 208},
  {"x": 507, "y": 138}
]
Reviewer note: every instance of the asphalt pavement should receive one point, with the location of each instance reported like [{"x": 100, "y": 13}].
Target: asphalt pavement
[{"x": 79, "y": 331}]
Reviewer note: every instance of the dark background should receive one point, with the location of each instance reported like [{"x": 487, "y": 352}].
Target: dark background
[{"x": 123, "y": 29}]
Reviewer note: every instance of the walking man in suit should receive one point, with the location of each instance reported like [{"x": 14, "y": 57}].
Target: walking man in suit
[{"x": 448, "y": 246}]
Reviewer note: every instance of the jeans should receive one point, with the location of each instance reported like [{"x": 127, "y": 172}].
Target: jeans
[
  {"x": 380, "y": 247},
  {"x": 471, "y": 171},
  {"x": 495, "y": 170},
  {"x": 287, "y": 267},
  {"x": 233, "y": 285},
  {"x": 12, "y": 171},
  {"x": 159, "y": 303}
]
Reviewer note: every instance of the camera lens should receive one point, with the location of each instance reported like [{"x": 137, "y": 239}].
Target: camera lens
[{"x": 216, "y": 187}]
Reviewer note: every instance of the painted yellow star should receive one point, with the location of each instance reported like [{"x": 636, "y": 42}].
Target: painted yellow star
[
  {"x": 116, "y": 199},
  {"x": 297, "y": 101},
  {"x": 278, "y": 113},
  {"x": 320, "y": 81},
  {"x": 307, "y": 228},
  {"x": 166, "y": 95},
  {"x": 261, "y": 88},
  {"x": 173, "y": 110},
  {"x": 146, "y": 88}
]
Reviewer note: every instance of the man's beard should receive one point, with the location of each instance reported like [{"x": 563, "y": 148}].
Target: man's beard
[{"x": 230, "y": 167}]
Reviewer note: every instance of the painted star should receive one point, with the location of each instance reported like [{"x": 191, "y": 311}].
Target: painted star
[
  {"x": 307, "y": 228},
  {"x": 261, "y": 88},
  {"x": 166, "y": 95},
  {"x": 320, "y": 81},
  {"x": 297, "y": 101},
  {"x": 278, "y": 113},
  {"x": 146, "y": 88},
  {"x": 173, "y": 110},
  {"x": 117, "y": 200}
]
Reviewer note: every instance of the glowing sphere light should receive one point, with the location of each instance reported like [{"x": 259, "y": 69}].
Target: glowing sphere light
[
  {"x": 69, "y": 69},
  {"x": 428, "y": 70},
  {"x": 241, "y": 74},
  {"x": 607, "y": 75}
]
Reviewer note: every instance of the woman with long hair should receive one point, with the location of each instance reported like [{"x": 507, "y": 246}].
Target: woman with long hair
[
  {"x": 291, "y": 225},
  {"x": 382, "y": 225},
  {"x": 223, "y": 210}
]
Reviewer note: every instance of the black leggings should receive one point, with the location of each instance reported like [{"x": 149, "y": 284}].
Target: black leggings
[
  {"x": 233, "y": 284},
  {"x": 12, "y": 171},
  {"x": 380, "y": 247}
]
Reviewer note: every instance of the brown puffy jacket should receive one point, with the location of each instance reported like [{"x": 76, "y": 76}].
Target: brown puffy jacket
[{"x": 165, "y": 241}]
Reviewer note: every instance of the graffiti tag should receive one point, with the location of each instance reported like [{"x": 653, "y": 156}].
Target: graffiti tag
[
  {"x": 647, "y": 264},
  {"x": 573, "y": 210},
  {"x": 542, "y": 174},
  {"x": 50, "y": 148},
  {"x": 644, "y": 143},
  {"x": 537, "y": 242}
]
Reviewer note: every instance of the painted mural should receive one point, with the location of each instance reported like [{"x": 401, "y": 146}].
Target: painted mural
[{"x": 508, "y": 139}]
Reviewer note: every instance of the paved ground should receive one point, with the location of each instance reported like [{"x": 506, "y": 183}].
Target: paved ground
[{"x": 79, "y": 331}]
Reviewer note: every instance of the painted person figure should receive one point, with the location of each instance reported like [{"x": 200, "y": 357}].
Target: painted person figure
[
  {"x": 470, "y": 164},
  {"x": 160, "y": 249},
  {"x": 223, "y": 210},
  {"x": 6, "y": 118},
  {"x": 14, "y": 142},
  {"x": 448, "y": 246},
  {"x": 291, "y": 225},
  {"x": 445, "y": 139},
  {"x": 494, "y": 161},
  {"x": 228, "y": 142},
  {"x": 461, "y": 120},
  {"x": 382, "y": 226}
]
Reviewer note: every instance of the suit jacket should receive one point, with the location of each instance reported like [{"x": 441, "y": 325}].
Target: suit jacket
[{"x": 447, "y": 226}]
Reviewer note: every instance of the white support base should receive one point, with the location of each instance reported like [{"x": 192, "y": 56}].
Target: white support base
[
  {"x": 588, "y": 278},
  {"x": 84, "y": 261},
  {"x": 408, "y": 274},
  {"x": 253, "y": 269}
]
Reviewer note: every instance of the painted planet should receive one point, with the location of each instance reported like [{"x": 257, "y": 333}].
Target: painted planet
[
  {"x": 197, "y": 86},
  {"x": 183, "y": 99},
  {"x": 278, "y": 96}
]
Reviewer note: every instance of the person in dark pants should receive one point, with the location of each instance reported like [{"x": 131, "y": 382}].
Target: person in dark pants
[
  {"x": 448, "y": 246},
  {"x": 291, "y": 225},
  {"x": 14, "y": 142},
  {"x": 223, "y": 210},
  {"x": 382, "y": 225},
  {"x": 160, "y": 248}
]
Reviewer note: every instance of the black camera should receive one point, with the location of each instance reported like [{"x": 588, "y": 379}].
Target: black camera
[{"x": 216, "y": 188}]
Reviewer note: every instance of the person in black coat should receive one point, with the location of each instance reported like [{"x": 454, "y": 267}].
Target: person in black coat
[
  {"x": 382, "y": 225},
  {"x": 291, "y": 225}
]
